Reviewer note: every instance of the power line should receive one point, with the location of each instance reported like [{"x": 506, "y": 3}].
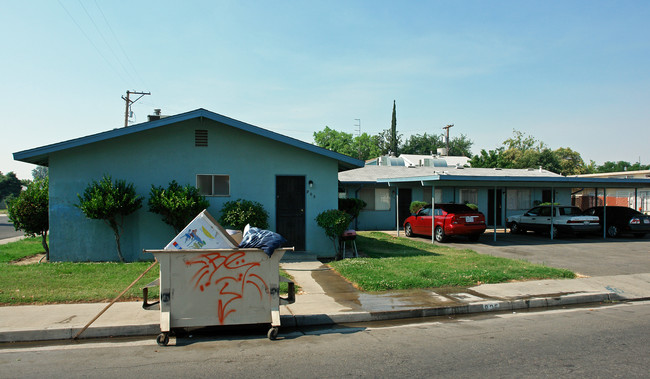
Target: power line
[
  {"x": 91, "y": 41},
  {"x": 92, "y": 20},
  {"x": 119, "y": 44}
]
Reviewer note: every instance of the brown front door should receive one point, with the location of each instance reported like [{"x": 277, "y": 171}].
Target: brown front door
[{"x": 290, "y": 210}]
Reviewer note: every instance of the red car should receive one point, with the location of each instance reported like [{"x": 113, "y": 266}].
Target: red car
[{"x": 451, "y": 220}]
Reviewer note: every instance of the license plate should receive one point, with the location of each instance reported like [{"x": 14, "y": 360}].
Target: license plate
[
  {"x": 646, "y": 221},
  {"x": 586, "y": 222},
  {"x": 469, "y": 218}
]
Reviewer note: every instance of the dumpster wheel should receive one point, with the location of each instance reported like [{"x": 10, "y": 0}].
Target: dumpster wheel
[
  {"x": 163, "y": 339},
  {"x": 273, "y": 333}
]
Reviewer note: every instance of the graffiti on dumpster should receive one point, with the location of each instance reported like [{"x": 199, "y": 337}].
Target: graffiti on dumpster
[{"x": 230, "y": 275}]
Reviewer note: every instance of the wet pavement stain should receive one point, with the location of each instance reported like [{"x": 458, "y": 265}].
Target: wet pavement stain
[{"x": 354, "y": 300}]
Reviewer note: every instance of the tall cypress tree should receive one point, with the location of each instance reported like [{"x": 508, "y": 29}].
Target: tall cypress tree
[{"x": 393, "y": 132}]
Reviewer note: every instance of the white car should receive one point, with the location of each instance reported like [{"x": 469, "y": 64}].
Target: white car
[{"x": 566, "y": 219}]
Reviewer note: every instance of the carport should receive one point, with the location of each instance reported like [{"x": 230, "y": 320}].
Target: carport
[{"x": 503, "y": 183}]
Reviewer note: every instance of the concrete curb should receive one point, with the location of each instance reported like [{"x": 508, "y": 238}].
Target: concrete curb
[
  {"x": 326, "y": 319},
  {"x": 471, "y": 308}
]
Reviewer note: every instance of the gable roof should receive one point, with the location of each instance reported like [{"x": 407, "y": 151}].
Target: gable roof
[{"x": 40, "y": 155}]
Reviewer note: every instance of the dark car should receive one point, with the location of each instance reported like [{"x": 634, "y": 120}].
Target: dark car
[
  {"x": 451, "y": 220},
  {"x": 621, "y": 220}
]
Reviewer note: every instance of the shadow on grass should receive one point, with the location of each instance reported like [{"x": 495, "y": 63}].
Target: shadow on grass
[{"x": 381, "y": 245}]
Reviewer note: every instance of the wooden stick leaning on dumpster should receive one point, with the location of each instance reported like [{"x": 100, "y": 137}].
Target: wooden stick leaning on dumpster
[{"x": 114, "y": 300}]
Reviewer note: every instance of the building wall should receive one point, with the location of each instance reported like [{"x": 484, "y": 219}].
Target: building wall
[{"x": 157, "y": 156}]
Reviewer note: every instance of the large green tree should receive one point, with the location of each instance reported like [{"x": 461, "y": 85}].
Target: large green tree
[
  {"x": 110, "y": 201},
  {"x": 364, "y": 146},
  {"x": 618, "y": 166},
  {"x": 176, "y": 204},
  {"x": 394, "y": 141},
  {"x": 334, "y": 140},
  {"x": 29, "y": 211},
  {"x": 524, "y": 151},
  {"x": 10, "y": 185}
]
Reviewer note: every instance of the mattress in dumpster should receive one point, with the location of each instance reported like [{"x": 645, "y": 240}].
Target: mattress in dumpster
[{"x": 204, "y": 232}]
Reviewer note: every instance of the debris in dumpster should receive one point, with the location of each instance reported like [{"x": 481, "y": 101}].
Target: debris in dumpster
[
  {"x": 201, "y": 285},
  {"x": 263, "y": 239}
]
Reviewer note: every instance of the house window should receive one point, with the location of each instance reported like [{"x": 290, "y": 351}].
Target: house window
[
  {"x": 213, "y": 185},
  {"x": 200, "y": 138},
  {"x": 377, "y": 199},
  {"x": 469, "y": 196},
  {"x": 426, "y": 195},
  {"x": 518, "y": 199}
]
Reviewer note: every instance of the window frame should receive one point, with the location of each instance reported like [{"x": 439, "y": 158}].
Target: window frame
[{"x": 213, "y": 177}]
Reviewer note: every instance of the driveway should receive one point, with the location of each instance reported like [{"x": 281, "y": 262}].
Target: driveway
[{"x": 589, "y": 255}]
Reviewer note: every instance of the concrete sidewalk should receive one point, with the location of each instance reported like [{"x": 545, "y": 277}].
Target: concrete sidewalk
[{"x": 328, "y": 299}]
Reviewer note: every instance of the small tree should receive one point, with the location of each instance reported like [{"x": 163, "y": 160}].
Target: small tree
[
  {"x": 177, "y": 205},
  {"x": 352, "y": 206},
  {"x": 416, "y": 206},
  {"x": 238, "y": 213},
  {"x": 110, "y": 201},
  {"x": 334, "y": 222},
  {"x": 29, "y": 211}
]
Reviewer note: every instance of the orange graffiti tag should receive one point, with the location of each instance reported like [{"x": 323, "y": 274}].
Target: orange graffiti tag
[{"x": 229, "y": 273}]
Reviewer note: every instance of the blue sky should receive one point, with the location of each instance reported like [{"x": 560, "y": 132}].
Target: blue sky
[{"x": 570, "y": 73}]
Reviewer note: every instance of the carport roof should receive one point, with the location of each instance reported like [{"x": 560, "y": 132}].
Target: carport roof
[
  {"x": 40, "y": 155},
  {"x": 489, "y": 177}
]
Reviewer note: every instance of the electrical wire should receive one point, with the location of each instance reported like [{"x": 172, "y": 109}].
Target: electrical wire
[{"x": 91, "y": 42}]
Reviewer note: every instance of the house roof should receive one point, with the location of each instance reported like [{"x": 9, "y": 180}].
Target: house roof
[
  {"x": 40, "y": 155},
  {"x": 453, "y": 176}
]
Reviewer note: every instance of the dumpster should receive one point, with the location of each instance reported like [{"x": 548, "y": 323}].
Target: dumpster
[{"x": 207, "y": 280}]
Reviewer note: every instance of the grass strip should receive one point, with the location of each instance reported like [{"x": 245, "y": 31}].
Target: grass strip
[
  {"x": 400, "y": 263},
  {"x": 20, "y": 249},
  {"x": 67, "y": 282}
]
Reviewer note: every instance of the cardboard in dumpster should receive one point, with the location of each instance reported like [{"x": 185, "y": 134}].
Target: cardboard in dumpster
[{"x": 204, "y": 232}]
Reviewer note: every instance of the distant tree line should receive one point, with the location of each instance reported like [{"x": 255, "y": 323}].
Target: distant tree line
[{"x": 518, "y": 151}]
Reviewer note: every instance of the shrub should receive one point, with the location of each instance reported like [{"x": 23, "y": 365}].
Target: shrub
[
  {"x": 352, "y": 206},
  {"x": 29, "y": 211},
  {"x": 236, "y": 214},
  {"x": 177, "y": 205},
  {"x": 416, "y": 206},
  {"x": 334, "y": 222},
  {"x": 111, "y": 202},
  {"x": 472, "y": 206}
]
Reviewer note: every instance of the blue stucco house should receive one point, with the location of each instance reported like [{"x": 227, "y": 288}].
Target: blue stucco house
[{"x": 225, "y": 158}]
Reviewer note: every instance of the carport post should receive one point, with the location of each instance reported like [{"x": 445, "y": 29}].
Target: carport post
[
  {"x": 552, "y": 209},
  {"x": 635, "y": 195},
  {"x": 433, "y": 213},
  {"x": 495, "y": 213},
  {"x": 397, "y": 209},
  {"x": 604, "y": 213}
]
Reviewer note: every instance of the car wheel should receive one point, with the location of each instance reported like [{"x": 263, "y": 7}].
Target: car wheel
[
  {"x": 639, "y": 235},
  {"x": 515, "y": 228},
  {"x": 612, "y": 231},
  {"x": 408, "y": 230},
  {"x": 439, "y": 234},
  {"x": 554, "y": 231},
  {"x": 474, "y": 237}
]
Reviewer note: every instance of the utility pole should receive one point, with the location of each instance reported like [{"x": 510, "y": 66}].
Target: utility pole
[
  {"x": 447, "y": 136},
  {"x": 359, "y": 135},
  {"x": 129, "y": 102}
]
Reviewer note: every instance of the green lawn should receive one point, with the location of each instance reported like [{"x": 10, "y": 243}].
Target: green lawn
[
  {"x": 65, "y": 282},
  {"x": 401, "y": 263}
]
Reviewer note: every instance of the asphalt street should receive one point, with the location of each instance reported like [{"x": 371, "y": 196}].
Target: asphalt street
[
  {"x": 7, "y": 228},
  {"x": 608, "y": 341}
]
